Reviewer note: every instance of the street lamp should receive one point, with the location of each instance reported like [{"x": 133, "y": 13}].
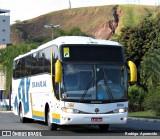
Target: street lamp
[{"x": 52, "y": 27}]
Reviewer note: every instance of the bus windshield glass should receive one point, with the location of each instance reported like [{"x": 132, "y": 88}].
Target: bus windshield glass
[
  {"x": 93, "y": 82},
  {"x": 91, "y": 53}
]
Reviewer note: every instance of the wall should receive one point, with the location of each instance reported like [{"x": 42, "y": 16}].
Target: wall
[
  {"x": 4, "y": 29},
  {"x": 3, "y": 46},
  {"x": 2, "y": 80}
]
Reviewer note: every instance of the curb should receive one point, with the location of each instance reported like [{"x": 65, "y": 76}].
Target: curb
[
  {"x": 144, "y": 119},
  {"x": 3, "y": 111}
]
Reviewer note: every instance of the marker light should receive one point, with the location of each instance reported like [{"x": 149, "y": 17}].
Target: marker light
[{"x": 69, "y": 110}]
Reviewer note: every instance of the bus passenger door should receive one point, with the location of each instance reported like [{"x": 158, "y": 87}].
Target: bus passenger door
[{"x": 37, "y": 106}]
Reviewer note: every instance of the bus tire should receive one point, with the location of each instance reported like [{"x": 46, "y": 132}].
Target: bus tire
[
  {"x": 104, "y": 127},
  {"x": 51, "y": 126},
  {"x": 22, "y": 118}
]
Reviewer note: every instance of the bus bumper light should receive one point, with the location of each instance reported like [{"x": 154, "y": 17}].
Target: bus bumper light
[
  {"x": 124, "y": 119},
  {"x": 121, "y": 110}
]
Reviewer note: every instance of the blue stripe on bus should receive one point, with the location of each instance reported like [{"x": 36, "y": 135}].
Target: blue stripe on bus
[
  {"x": 55, "y": 120},
  {"x": 5, "y": 107},
  {"x": 38, "y": 117}
]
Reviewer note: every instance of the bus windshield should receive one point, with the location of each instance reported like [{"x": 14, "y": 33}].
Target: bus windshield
[{"x": 93, "y": 82}]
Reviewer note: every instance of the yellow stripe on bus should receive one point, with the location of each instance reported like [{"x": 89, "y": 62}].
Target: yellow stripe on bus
[
  {"x": 38, "y": 113},
  {"x": 55, "y": 116}
]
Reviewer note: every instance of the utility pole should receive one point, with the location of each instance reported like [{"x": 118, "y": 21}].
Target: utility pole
[
  {"x": 52, "y": 28},
  {"x": 70, "y": 4}
]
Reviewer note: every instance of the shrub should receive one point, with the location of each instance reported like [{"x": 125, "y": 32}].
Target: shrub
[
  {"x": 136, "y": 97},
  {"x": 152, "y": 101}
]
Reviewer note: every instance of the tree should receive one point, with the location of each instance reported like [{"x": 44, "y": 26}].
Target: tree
[
  {"x": 150, "y": 69},
  {"x": 150, "y": 75},
  {"x": 152, "y": 100},
  {"x": 6, "y": 59},
  {"x": 76, "y": 31},
  {"x": 140, "y": 40}
]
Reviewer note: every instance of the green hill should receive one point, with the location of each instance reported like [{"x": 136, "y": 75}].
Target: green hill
[
  {"x": 134, "y": 14},
  {"x": 101, "y": 22}
]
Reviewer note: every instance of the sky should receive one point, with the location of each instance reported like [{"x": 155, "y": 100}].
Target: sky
[{"x": 27, "y": 9}]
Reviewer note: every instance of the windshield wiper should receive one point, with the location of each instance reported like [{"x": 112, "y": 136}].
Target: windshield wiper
[
  {"x": 86, "y": 90},
  {"x": 108, "y": 90}
]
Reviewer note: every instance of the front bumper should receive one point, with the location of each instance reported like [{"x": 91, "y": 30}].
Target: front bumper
[{"x": 83, "y": 119}]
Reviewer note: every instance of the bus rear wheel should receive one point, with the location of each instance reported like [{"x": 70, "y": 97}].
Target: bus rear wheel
[
  {"x": 22, "y": 118},
  {"x": 51, "y": 125},
  {"x": 104, "y": 127}
]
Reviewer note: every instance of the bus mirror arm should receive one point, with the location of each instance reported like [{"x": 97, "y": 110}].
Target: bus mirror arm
[
  {"x": 133, "y": 71},
  {"x": 58, "y": 72}
]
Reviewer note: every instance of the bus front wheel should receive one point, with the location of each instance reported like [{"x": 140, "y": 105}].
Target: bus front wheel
[{"x": 51, "y": 125}]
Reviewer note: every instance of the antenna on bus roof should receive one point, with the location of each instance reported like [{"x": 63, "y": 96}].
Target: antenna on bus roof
[{"x": 92, "y": 41}]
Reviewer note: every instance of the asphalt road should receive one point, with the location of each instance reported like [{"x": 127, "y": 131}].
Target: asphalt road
[{"x": 10, "y": 122}]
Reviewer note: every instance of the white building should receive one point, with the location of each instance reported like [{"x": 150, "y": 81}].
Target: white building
[
  {"x": 4, "y": 27},
  {"x": 4, "y": 38}
]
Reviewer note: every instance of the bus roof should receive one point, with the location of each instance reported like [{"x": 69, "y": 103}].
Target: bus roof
[{"x": 71, "y": 40}]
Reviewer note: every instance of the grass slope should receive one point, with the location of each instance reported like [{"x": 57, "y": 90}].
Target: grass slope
[
  {"x": 89, "y": 19},
  {"x": 134, "y": 14}
]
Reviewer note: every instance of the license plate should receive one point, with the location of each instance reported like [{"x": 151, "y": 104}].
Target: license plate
[{"x": 95, "y": 119}]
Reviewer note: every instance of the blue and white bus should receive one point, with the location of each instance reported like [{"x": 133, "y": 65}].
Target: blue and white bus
[{"x": 73, "y": 80}]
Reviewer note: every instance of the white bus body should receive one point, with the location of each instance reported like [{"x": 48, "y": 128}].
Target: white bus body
[{"x": 37, "y": 96}]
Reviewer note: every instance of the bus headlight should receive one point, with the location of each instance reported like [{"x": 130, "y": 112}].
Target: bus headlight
[
  {"x": 121, "y": 110},
  {"x": 69, "y": 110}
]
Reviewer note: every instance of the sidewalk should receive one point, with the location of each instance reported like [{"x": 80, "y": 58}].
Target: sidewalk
[
  {"x": 4, "y": 111},
  {"x": 144, "y": 119}
]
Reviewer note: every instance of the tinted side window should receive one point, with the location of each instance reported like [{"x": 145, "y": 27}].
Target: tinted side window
[
  {"x": 23, "y": 70},
  {"x": 28, "y": 65},
  {"x": 47, "y": 60},
  {"x": 41, "y": 62},
  {"x": 16, "y": 69},
  {"x": 54, "y": 59},
  {"x": 34, "y": 63}
]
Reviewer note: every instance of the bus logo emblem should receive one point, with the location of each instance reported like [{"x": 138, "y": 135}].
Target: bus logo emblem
[{"x": 96, "y": 110}]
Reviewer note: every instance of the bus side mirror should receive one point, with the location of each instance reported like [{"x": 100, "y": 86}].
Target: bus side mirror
[
  {"x": 133, "y": 71},
  {"x": 58, "y": 72}
]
